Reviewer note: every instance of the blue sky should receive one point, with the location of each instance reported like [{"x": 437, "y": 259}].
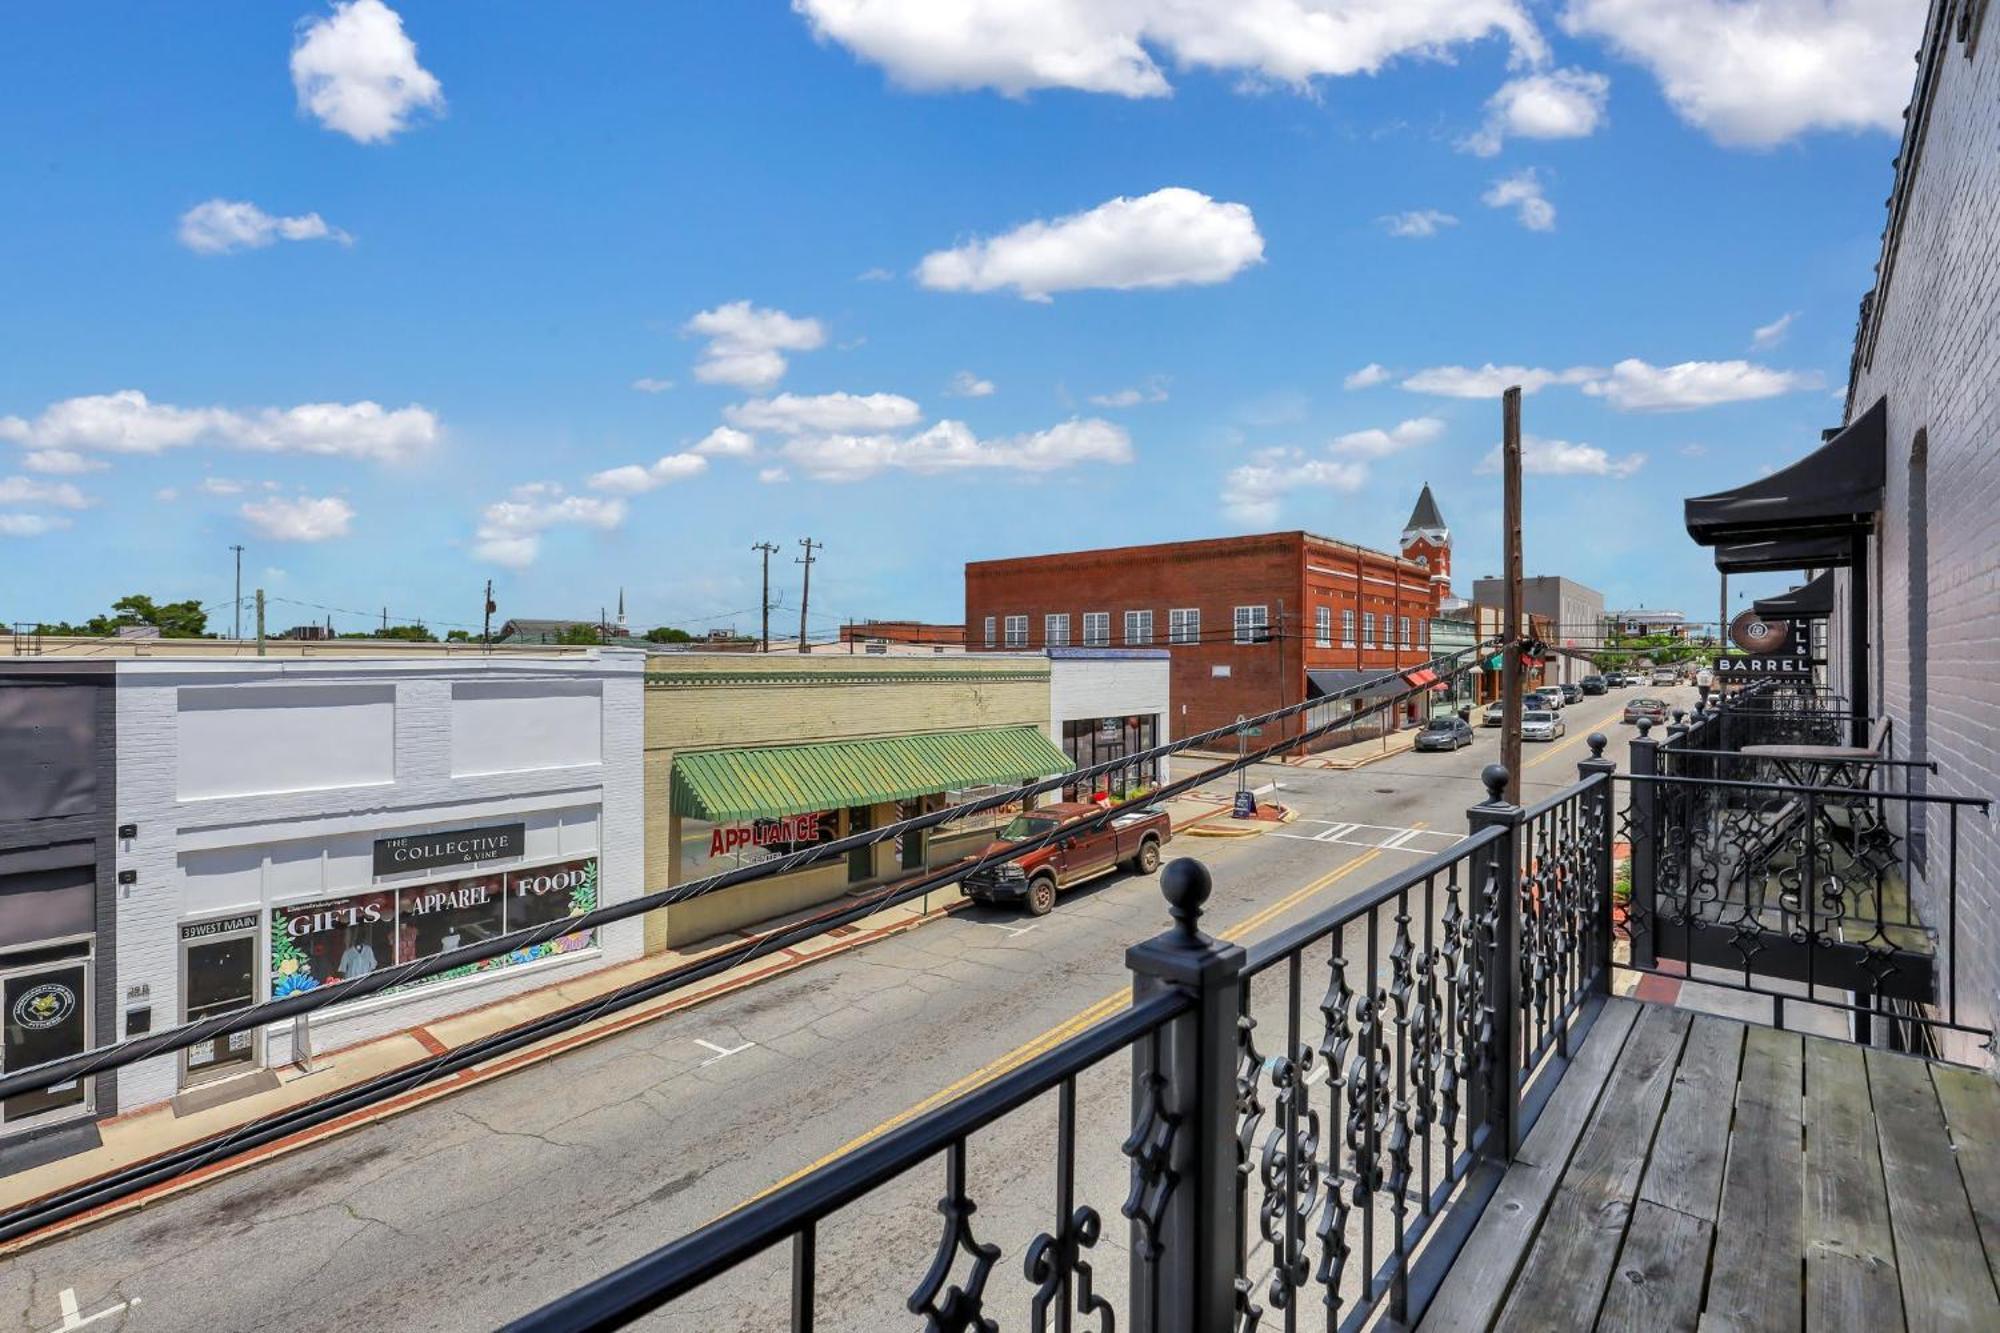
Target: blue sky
[{"x": 368, "y": 290}]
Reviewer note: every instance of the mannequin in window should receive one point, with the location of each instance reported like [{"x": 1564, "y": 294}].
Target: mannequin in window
[{"x": 359, "y": 958}]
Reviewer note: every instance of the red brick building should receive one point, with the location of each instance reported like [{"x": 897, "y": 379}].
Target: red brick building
[{"x": 1253, "y": 623}]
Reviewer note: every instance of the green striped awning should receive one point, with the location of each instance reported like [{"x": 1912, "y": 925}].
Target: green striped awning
[{"x": 725, "y": 785}]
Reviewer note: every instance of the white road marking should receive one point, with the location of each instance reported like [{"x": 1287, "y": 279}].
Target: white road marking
[
  {"x": 1382, "y": 837},
  {"x": 1316, "y": 1076},
  {"x": 66, "y": 1299},
  {"x": 1011, "y": 930},
  {"x": 721, "y": 1052}
]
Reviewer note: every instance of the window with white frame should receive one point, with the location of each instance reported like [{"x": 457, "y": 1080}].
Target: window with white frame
[
  {"x": 1347, "y": 627},
  {"x": 1184, "y": 625},
  {"x": 1055, "y": 629},
  {"x": 1252, "y": 623},
  {"x": 1138, "y": 628},
  {"x": 992, "y": 628},
  {"x": 1017, "y": 631},
  {"x": 1096, "y": 629},
  {"x": 1404, "y": 627},
  {"x": 1322, "y": 627},
  {"x": 1367, "y": 629}
]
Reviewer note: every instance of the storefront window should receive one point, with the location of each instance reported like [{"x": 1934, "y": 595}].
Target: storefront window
[
  {"x": 219, "y": 976},
  {"x": 1093, "y": 741},
  {"x": 437, "y": 918}
]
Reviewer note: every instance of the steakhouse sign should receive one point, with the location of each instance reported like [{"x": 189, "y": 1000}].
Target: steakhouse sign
[{"x": 1770, "y": 650}]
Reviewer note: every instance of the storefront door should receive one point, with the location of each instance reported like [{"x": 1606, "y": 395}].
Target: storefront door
[
  {"x": 46, "y": 1016},
  {"x": 218, "y": 976},
  {"x": 860, "y": 861}
]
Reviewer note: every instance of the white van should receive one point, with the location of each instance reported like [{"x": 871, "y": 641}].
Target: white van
[
  {"x": 1704, "y": 679},
  {"x": 1666, "y": 676}
]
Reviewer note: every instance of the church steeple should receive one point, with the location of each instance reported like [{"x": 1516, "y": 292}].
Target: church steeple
[
  {"x": 621, "y": 610},
  {"x": 1427, "y": 540}
]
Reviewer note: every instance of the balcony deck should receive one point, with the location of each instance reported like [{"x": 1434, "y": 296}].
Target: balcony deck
[{"x": 1694, "y": 1172}]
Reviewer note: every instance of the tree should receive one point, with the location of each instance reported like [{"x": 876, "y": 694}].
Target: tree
[
  {"x": 174, "y": 620},
  {"x": 458, "y": 636},
  {"x": 578, "y": 635},
  {"x": 401, "y": 633},
  {"x": 668, "y": 634}
]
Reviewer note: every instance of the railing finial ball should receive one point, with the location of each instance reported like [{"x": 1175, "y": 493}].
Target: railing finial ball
[
  {"x": 1645, "y": 725},
  {"x": 1596, "y": 742},
  {"x": 1186, "y": 884},
  {"x": 1495, "y": 778}
]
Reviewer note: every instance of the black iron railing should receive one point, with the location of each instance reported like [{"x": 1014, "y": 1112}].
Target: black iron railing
[{"x": 1418, "y": 1028}]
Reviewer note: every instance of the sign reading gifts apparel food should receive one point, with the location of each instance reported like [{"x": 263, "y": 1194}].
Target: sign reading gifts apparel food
[{"x": 330, "y": 940}]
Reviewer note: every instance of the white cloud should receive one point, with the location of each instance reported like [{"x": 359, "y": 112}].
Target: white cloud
[
  {"x": 1560, "y": 458},
  {"x": 1169, "y": 238},
  {"x": 951, "y": 446},
  {"x": 221, "y": 486},
  {"x": 1108, "y": 46},
  {"x": 166, "y": 495},
  {"x": 1489, "y": 380},
  {"x": 1367, "y": 377},
  {"x": 773, "y": 476},
  {"x": 1153, "y": 391},
  {"x": 1694, "y": 451},
  {"x": 28, "y": 490},
  {"x": 510, "y": 531},
  {"x": 127, "y": 422},
  {"x": 726, "y": 442},
  {"x": 1635, "y": 386},
  {"x": 30, "y": 525},
  {"x": 746, "y": 343},
  {"x": 1770, "y": 335},
  {"x": 1253, "y": 493},
  {"x": 1754, "y": 75},
  {"x": 875, "y": 275},
  {"x": 1560, "y": 104},
  {"x": 356, "y": 71},
  {"x": 634, "y": 479},
  {"x": 1378, "y": 443},
  {"x": 221, "y": 225},
  {"x": 1417, "y": 222},
  {"x": 1522, "y": 192},
  {"x": 830, "y": 413},
  {"x": 647, "y": 384},
  {"x": 965, "y": 384},
  {"x": 61, "y": 462},
  {"x": 303, "y": 519}
]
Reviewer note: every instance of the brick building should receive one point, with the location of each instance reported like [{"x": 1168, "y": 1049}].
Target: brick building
[{"x": 1252, "y": 623}]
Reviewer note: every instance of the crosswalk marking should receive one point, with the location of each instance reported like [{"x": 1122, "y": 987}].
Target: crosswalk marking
[{"x": 1382, "y": 837}]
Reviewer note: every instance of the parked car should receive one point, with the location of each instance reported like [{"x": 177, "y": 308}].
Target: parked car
[
  {"x": 1541, "y": 725},
  {"x": 1444, "y": 733},
  {"x": 1132, "y": 839},
  {"x": 1549, "y": 697},
  {"x": 1666, "y": 676},
  {"x": 1595, "y": 685},
  {"x": 1704, "y": 679},
  {"x": 1495, "y": 714},
  {"x": 1653, "y": 710},
  {"x": 1572, "y": 692}
]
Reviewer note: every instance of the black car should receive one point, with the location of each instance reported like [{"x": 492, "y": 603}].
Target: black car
[
  {"x": 1572, "y": 692},
  {"x": 1595, "y": 685},
  {"x": 1444, "y": 733}
]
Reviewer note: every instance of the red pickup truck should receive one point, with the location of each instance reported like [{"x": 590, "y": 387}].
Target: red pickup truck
[{"x": 1132, "y": 839}]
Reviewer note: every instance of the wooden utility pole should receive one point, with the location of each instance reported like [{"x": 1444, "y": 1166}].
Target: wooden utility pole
[
  {"x": 260, "y": 622},
  {"x": 486, "y": 625},
  {"x": 805, "y": 591},
  {"x": 769, "y": 549},
  {"x": 239, "y": 593},
  {"x": 1510, "y": 615}
]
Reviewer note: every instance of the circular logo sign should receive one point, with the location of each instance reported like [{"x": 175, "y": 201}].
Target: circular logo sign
[
  {"x": 1758, "y": 636},
  {"x": 45, "y": 1006}
]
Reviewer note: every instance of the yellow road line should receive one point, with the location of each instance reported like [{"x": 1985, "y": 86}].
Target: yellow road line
[{"x": 1054, "y": 1036}]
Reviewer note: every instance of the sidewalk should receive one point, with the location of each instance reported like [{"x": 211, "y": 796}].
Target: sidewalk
[{"x": 154, "y": 1130}]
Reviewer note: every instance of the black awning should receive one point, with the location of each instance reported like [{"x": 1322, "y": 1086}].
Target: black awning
[
  {"x": 1785, "y": 556},
  {"x": 1835, "y": 491},
  {"x": 1813, "y": 601},
  {"x": 1333, "y": 681}
]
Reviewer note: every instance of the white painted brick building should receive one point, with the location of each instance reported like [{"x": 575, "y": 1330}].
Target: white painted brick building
[
  {"x": 259, "y": 796},
  {"x": 1929, "y": 342}
]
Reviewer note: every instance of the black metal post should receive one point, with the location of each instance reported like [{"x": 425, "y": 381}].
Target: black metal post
[
  {"x": 1857, "y": 638},
  {"x": 1644, "y": 822},
  {"x": 1188, "y": 1283},
  {"x": 1496, "y": 875},
  {"x": 1602, "y": 809}
]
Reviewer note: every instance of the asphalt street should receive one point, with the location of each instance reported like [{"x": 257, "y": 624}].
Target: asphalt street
[{"x": 475, "y": 1209}]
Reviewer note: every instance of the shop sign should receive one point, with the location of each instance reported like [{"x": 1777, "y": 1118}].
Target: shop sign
[
  {"x": 788, "y": 831},
  {"x": 45, "y": 1006},
  {"x": 422, "y": 851},
  {"x": 1770, "y": 650},
  {"x": 201, "y": 930}
]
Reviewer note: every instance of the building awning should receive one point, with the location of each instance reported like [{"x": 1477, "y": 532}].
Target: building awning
[
  {"x": 1782, "y": 556},
  {"x": 1334, "y": 681},
  {"x": 1814, "y": 601},
  {"x": 1835, "y": 491},
  {"x": 731, "y": 785}
]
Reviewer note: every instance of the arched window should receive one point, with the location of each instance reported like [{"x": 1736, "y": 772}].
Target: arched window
[{"x": 1917, "y": 610}]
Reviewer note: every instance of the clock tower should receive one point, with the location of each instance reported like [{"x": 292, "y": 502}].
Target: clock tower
[{"x": 1427, "y": 541}]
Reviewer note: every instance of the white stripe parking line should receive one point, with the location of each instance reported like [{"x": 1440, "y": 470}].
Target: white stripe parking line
[
  {"x": 72, "y": 1318},
  {"x": 721, "y": 1052},
  {"x": 1368, "y": 836}
]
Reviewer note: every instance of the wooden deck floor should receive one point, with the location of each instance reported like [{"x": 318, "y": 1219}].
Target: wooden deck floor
[{"x": 1691, "y": 1172}]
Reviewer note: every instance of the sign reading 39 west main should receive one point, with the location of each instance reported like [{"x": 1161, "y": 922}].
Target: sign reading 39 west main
[{"x": 459, "y": 847}]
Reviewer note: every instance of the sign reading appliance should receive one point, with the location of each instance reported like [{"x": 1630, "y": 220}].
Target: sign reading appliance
[{"x": 459, "y": 847}]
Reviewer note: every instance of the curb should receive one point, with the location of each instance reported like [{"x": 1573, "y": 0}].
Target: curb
[{"x": 1247, "y": 829}]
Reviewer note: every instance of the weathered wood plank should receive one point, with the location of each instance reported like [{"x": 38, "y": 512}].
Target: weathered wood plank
[
  {"x": 1562, "y": 1282},
  {"x": 1946, "y": 1283},
  {"x": 1971, "y": 1105},
  {"x": 1685, "y": 1173},
  {"x": 1850, "y": 1258},
  {"x": 1657, "y": 1282},
  {"x": 1754, "y": 1281},
  {"x": 1478, "y": 1281}
]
